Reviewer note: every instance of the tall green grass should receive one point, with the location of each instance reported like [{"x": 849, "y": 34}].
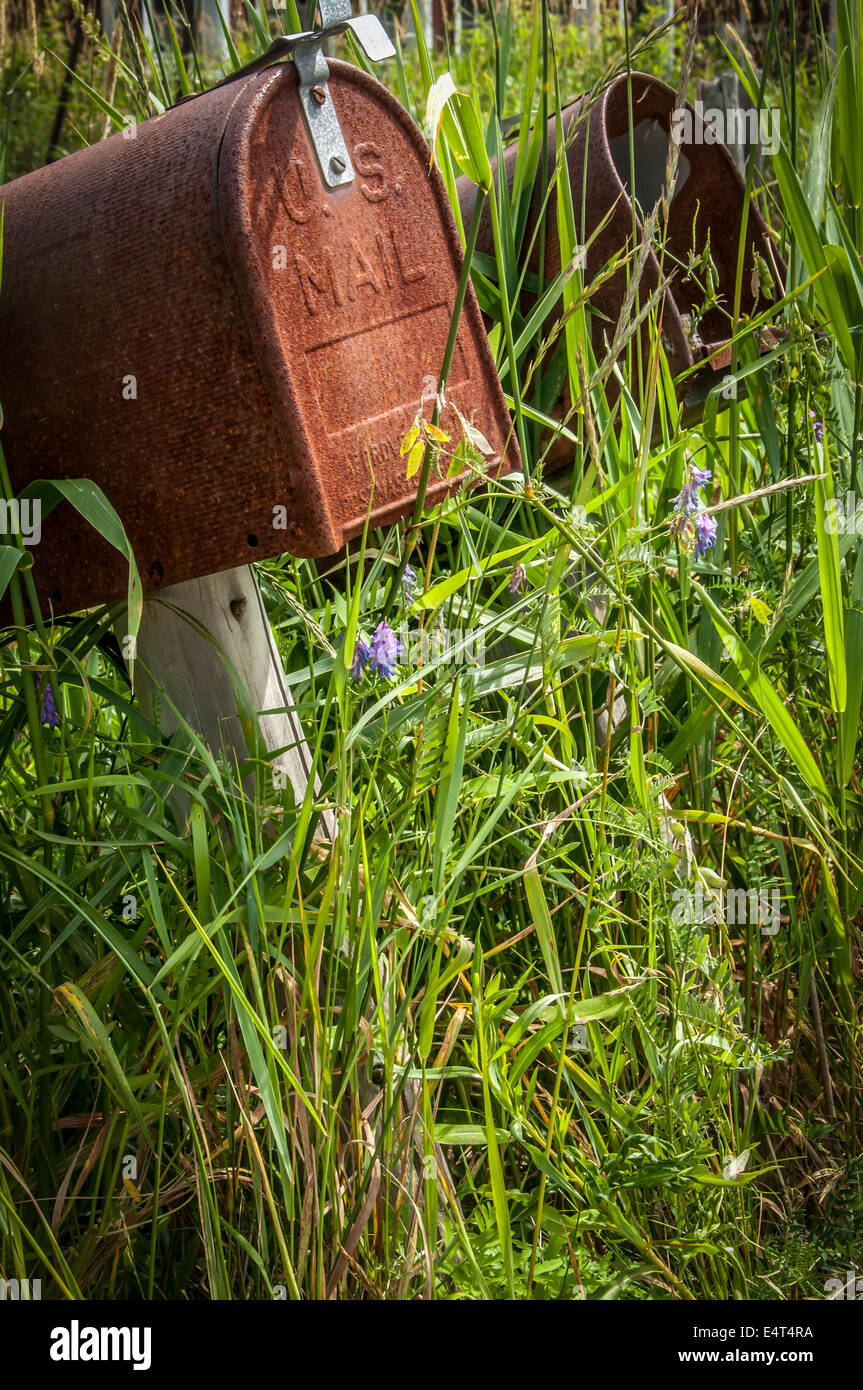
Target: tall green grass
[{"x": 474, "y": 1049}]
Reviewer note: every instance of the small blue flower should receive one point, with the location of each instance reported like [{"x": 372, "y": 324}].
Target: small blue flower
[
  {"x": 686, "y": 501},
  {"x": 409, "y": 580},
  {"x": 817, "y": 427},
  {"x": 385, "y": 651},
  {"x": 705, "y": 534},
  {"x": 362, "y": 652},
  {"x": 49, "y": 709},
  {"x": 689, "y": 524}
]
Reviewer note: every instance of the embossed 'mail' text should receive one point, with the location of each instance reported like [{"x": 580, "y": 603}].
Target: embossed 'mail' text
[
  {"x": 384, "y": 451},
  {"x": 374, "y": 265}
]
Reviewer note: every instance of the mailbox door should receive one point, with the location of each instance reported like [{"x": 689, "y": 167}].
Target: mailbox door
[{"x": 350, "y": 293}]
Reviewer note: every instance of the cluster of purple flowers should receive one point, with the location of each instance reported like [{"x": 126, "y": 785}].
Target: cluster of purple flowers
[
  {"x": 49, "y": 709},
  {"x": 381, "y": 655},
  {"x": 689, "y": 523}
]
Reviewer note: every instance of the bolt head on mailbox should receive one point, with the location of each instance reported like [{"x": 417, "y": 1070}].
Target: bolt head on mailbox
[{"x": 229, "y": 346}]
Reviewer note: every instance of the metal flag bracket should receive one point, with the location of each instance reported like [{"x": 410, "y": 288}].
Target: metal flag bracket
[
  {"x": 322, "y": 122},
  {"x": 307, "y": 51}
]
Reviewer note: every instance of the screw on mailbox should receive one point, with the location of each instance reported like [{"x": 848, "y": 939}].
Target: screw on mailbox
[{"x": 307, "y": 51}]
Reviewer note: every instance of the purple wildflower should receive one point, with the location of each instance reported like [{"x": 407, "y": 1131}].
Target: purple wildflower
[
  {"x": 681, "y": 528},
  {"x": 409, "y": 580},
  {"x": 49, "y": 709},
  {"x": 517, "y": 579},
  {"x": 817, "y": 427},
  {"x": 687, "y": 501},
  {"x": 689, "y": 524},
  {"x": 385, "y": 650},
  {"x": 362, "y": 652},
  {"x": 705, "y": 534}
]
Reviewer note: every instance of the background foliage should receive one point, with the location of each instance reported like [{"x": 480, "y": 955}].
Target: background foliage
[{"x": 358, "y": 1072}]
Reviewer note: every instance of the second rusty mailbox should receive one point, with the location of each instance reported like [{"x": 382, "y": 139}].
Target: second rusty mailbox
[
  {"x": 226, "y": 322},
  {"x": 635, "y": 117}
]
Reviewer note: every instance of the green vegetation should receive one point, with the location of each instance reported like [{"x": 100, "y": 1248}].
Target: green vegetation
[{"x": 512, "y": 1066}]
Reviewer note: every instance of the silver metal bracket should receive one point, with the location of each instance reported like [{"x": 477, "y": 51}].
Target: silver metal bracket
[
  {"x": 322, "y": 122},
  {"x": 307, "y": 51}
]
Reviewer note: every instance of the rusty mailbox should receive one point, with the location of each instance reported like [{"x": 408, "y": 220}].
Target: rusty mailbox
[
  {"x": 708, "y": 202},
  {"x": 225, "y": 317}
]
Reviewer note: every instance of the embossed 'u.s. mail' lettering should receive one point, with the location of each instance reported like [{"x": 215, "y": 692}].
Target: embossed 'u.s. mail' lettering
[
  {"x": 334, "y": 273},
  {"x": 364, "y": 280},
  {"x": 299, "y": 185}
]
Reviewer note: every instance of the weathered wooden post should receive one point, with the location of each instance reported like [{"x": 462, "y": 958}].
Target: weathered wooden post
[
  {"x": 251, "y": 292},
  {"x": 200, "y": 674}
]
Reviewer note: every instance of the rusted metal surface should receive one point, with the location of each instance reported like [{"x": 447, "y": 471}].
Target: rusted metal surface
[
  {"x": 708, "y": 200},
  {"x": 194, "y": 321}
]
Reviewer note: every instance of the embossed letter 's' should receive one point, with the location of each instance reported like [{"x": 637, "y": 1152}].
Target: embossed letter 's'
[{"x": 367, "y": 159}]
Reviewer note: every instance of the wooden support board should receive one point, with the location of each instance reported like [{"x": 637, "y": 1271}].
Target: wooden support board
[{"x": 174, "y": 658}]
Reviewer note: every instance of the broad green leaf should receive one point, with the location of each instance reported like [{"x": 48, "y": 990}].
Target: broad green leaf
[
  {"x": 461, "y": 1135},
  {"x": 95, "y": 1035},
  {"x": 10, "y": 558},
  {"x": 89, "y": 500},
  {"x": 544, "y": 927}
]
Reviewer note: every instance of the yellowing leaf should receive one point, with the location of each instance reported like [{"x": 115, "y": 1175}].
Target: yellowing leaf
[
  {"x": 439, "y": 94},
  {"x": 415, "y": 457},
  {"x": 474, "y": 436},
  {"x": 410, "y": 438},
  {"x": 735, "y": 1164},
  {"x": 760, "y": 610},
  {"x": 453, "y": 112}
]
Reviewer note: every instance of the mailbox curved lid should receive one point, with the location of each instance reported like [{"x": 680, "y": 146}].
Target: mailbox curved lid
[{"x": 277, "y": 334}]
